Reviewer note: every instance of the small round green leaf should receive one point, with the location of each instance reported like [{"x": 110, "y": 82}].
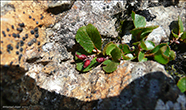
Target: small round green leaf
[
  {"x": 172, "y": 55},
  {"x": 110, "y": 66},
  {"x": 94, "y": 35},
  {"x": 141, "y": 55},
  {"x": 165, "y": 50},
  {"x": 180, "y": 24},
  {"x": 149, "y": 44},
  {"x": 147, "y": 30},
  {"x": 84, "y": 40},
  {"x": 108, "y": 48},
  {"x": 128, "y": 56},
  {"x": 138, "y": 20},
  {"x": 142, "y": 45},
  {"x": 182, "y": 84},
  {"x": 124, "y": 48},
  {"x": 158, "y": 47},
  {"x": 174, "y": 34},
  {"x": 161, "y": 58},
  {"x": 116, "y": 54}
]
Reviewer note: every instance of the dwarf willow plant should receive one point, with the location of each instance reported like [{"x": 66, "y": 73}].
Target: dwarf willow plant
[
  {"x": 179, "y": 35},
  {"x": 91, "y": 54}
]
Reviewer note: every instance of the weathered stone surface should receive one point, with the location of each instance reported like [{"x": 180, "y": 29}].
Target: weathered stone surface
[
  {"x": 52, "y": 82},
  {"x": 166, "y": 15}
]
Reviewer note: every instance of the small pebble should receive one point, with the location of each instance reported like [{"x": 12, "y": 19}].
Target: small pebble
[
  {"x": 37, "y": 22},
  {"x": 30, "y": 16}
]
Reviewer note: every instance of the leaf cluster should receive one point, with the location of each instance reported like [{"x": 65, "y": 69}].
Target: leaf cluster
[
  {"x": 179, "y": 35},
  {"x": 91, "y": 42},
  {"x": 145, "y": 49}
]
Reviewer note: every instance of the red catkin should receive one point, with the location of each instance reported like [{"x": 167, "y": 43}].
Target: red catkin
[
  {"x": 87, "y": 62},
  {"x": 81, "y": 57},
  {"x": 101, "y": 59}
]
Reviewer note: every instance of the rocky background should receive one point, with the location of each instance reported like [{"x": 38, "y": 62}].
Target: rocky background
[{"x": 46, "y": 78}]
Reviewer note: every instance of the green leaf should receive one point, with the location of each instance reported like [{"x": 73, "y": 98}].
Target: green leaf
[
  {"x": 180, "y": 24},
  {"x": 136, "y": 32},
  {"x": 174, "y": 33},
  {"x": 172, "y": 55},
  {"x": 161, "y": 58},
  {"x": 138, "y": 20},
  {"x": 79, "y": 65},
  {"x": 182, "y": 84},
  {"x": 183, "y": 37},
  {"x": 149, "y": 45},
  {"x": 110, "y": 66},
  {"x": 108, "y": 48},
  {"x": 84, "y": 40},
  {"x": 158, "y": 48},
  {"x": 141, "y": 57},
  {"x": 124, "y": 48},
  {"x": 128, "y": 57},
  {"x": 142, "y": 45},
  {"x": 116, "y": 54},
  {"x": 94, "y": 35},
  {"x": 142, "y": 32},
  {"x": 147, "y": 30},
  {"x": 165, "y": 50}
]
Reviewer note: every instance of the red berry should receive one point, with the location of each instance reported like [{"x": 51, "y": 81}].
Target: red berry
[
  {"x": 101, "y": 59},
  {"x": 81, "y": 57},
  {"x": 87, "y": 62}
]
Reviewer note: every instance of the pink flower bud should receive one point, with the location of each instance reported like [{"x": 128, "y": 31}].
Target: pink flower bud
[
  {"x": 101, "y": 59},
  {"x": 87, "y": 62},
  {"x": 81, "y": 57}
]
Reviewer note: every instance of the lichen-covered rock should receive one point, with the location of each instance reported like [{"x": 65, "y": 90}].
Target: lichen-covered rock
[
  {"x": 51, "y": 80},
  {"x": 22, "y": 32}
]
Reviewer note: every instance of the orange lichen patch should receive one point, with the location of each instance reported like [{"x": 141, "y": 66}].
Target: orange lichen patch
[{"x": 22, "y": 32}]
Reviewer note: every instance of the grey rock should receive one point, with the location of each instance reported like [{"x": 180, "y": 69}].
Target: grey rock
[
  {"x": 54, "y": 83},
  {"x": 166, "y": 15},
  {"x": 157, "y": 35},
  {"x": 180, "y": 104},
  {"x": 5, "y": 7}
]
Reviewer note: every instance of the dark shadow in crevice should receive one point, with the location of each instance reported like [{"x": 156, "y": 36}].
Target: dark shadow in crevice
[
  {"x": 142, "y": 93},
  {"x": 59, "y": 9}
]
